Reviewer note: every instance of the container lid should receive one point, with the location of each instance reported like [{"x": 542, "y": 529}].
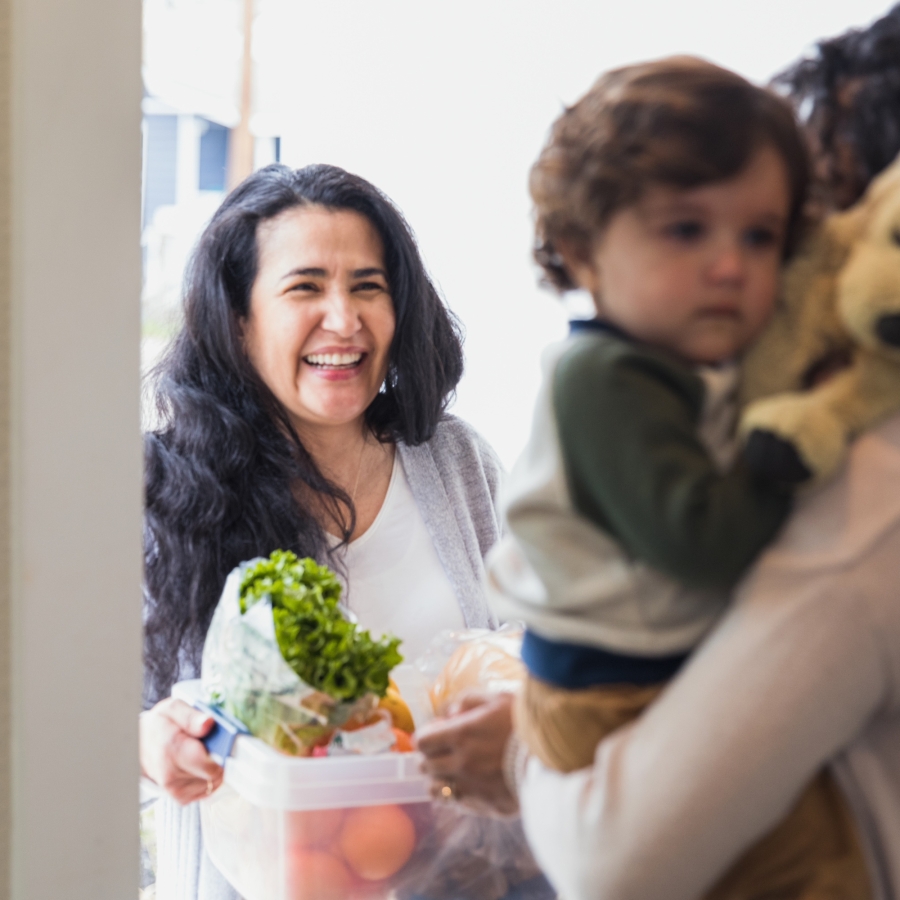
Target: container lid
[{"x": 266, "y": 777}]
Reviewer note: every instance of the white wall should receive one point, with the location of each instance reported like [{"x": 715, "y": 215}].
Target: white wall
[
  {"x": 445, "y": 105},
  {"x": 74, "y": 529}
]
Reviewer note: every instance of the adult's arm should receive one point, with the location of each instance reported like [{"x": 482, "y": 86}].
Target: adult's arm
[{"x": 804, "y": 661}]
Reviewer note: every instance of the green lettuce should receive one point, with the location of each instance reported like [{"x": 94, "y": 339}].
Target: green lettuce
[{"x": 326, "y": 651}]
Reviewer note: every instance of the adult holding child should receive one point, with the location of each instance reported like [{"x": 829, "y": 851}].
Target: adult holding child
[
  {"x": 799, "y": 668},
  {"x": 805, "y": 664},
  {"x": 303, "y": 408}
]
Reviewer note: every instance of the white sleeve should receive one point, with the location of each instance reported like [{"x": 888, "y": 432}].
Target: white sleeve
[{"x": 789, "y": 677}]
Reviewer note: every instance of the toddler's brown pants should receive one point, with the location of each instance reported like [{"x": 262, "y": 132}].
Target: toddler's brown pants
[{"x": 813, "y": 854}]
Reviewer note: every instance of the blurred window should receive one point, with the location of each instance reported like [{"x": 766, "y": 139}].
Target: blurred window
[
  {"x": 213, "y": 157},
  {"x": 161, "y": 163}
]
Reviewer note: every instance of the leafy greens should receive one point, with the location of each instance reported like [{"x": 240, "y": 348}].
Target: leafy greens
[{"x": 327, "y": 651}]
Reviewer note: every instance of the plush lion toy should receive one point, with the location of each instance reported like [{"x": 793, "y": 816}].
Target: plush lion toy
[{"x": 841, "y": 302}]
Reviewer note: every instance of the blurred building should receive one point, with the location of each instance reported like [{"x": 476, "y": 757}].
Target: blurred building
[{"x": 192, "y": 69}]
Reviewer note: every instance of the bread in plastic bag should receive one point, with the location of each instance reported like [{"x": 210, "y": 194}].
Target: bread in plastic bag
[
  {"x": 468, "y": 854},
  {"x": 473, "y": 659}
]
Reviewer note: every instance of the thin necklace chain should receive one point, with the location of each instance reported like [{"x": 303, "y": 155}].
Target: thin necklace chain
[
  {"x": 346, "y": 601},
  {"x": 362, "y": 452}
]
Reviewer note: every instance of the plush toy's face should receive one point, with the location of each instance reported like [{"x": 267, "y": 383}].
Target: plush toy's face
[{"x": 869, "y": 284}]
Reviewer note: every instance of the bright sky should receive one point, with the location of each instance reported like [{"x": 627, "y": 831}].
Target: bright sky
[{"x": 445, "y": 105}]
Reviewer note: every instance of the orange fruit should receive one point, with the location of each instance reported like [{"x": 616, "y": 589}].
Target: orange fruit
[
  {"x": 316, "y": 875},
  {"x": 377, "y": 841},
  {"x": 402, "y": 742},
  {"x": 312, "y": 828}
]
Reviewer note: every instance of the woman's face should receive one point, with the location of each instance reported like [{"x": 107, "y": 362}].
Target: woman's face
[{"x": 321, "y": 318}]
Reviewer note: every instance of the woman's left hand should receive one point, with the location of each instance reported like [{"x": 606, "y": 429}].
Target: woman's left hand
[{"x": 464, "y": 751}]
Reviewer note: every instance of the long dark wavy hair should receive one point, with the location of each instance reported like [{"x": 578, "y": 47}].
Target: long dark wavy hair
[
  {"x": 848, "y": 91},
  {"x": 222, "y": 470}
]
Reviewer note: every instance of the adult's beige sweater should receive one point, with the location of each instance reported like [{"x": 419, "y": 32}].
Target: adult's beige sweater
[{"x": 803, "y": 671}]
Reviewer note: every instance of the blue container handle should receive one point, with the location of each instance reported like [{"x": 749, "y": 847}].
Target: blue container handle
[{"x": 220, "y": 740}]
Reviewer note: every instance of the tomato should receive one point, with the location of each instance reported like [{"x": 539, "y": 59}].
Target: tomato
[
  {"x": 377, "y": 841},
  {"x": 403, "y": 742}
]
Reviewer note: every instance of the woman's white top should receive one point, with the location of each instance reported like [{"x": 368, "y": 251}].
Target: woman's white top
[
  {"x": 394, "y": 580},
  {"x": 454, "y": 477}
]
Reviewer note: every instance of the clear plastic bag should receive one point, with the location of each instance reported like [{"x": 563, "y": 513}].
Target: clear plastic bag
[
  {"x": 467, "y": 853},
  {"x": 472, "y": 659},
  {"x": 244, "y": 671}
]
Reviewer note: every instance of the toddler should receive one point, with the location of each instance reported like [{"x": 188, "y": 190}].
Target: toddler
[{"x": 672, "y": 192}]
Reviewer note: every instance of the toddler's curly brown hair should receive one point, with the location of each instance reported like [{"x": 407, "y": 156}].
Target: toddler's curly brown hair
[{"x": 680, "y": 122}]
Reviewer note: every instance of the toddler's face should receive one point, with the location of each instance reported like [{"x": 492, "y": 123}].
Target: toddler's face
[{"x": 695, "y": 271}]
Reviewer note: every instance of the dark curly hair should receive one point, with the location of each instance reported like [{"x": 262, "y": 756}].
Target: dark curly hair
[
  {"x": 681, "y": 122},
  {"x": 847, "y": 94},
  {"x": 222, "y": 470}
]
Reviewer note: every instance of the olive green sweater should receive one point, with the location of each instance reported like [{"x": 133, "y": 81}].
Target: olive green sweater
[{"x": 626, "y": 532}]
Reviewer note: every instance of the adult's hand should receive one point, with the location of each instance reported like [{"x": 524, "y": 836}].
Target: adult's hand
[
  {"x": 465, "y": 749},
  {"x": 171, "y": 752}
]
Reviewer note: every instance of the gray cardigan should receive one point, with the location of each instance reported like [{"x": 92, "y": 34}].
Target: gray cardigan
[{"x": 454, "y": 478}]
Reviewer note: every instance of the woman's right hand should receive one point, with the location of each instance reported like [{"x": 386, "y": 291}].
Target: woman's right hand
[
  {"x": 171, "y": 752},
  {"x": 465, "y": 751}
]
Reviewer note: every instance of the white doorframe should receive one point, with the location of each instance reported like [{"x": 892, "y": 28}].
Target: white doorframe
[{"x": 70, "y": 480}]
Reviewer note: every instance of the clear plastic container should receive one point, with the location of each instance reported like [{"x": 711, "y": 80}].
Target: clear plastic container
[{"x": 335, "y": 828}]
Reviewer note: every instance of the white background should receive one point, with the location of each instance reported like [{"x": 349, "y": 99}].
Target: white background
[{"x": 444, "y": 106}]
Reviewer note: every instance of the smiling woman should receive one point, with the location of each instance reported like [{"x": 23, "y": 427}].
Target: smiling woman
[
  {"x": 321, "y": 319},
  {"x": 318, "y": 333},
  {"x": 270, "y": 437},
  {"x": 303, "y": 409}
]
